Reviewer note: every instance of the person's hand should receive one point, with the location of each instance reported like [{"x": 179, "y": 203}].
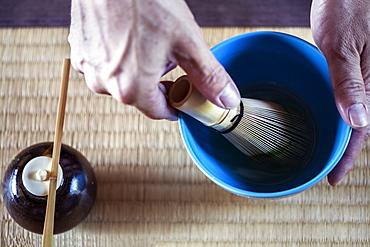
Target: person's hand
[
  {"x": 123, "y": 47},
  {"x": 341, "y": 30}
]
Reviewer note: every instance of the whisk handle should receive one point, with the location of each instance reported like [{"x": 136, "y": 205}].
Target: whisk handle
[{"x": 186, "y": 98}]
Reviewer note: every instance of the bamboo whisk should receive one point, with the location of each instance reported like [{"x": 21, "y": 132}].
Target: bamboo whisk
[{"x": 265, "y": 131}]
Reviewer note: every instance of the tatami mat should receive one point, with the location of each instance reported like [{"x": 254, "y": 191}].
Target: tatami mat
[{"x": 149, "y": 191}]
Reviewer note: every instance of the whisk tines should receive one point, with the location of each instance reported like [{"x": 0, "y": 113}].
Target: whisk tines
[{"x": 271, "y": 133}]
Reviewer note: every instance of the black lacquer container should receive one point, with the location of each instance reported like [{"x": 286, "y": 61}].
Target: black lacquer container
[{"x": 24, "y": 186}]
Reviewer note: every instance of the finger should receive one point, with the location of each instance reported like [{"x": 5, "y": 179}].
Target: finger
[
  {"x": 355, "y": 146},
  {"x": 349, "y": 88},
  {"x": 207, "y": 74},
  {"x": 156, "y": 105},
  {"x": 145, "y": 93},
  {"x": 93, "y": 81},
  {"x": 153, "y": 102},
  {"x": 163, "y": 110}
]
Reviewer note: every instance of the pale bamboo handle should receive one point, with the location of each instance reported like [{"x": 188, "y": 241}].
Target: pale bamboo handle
[
  {"x": 186, "y": 98},
  {"x": 47, "y": 236}
]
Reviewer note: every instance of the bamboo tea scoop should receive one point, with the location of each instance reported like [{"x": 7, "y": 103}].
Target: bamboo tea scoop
[{"x": 265, "y": 131}]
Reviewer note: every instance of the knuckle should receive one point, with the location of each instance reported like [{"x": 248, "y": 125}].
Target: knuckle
[
  {"x": 211, "y": 78},
  {"x": 340, "y": 47},
  {"x": 77, "y": 62},
  {"x": 93, "y": 86},
  {"x": 125, "y": 95},
  {"x": 350, "y": 86},
  {"x": 93, "y": 81},
  {"x": 152, "y": 104},
  {"x": 150, "y": 98},
  {"x": 119, "y": 87}
]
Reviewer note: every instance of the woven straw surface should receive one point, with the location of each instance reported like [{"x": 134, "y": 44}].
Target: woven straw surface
[{"x": 149, "y": 191}]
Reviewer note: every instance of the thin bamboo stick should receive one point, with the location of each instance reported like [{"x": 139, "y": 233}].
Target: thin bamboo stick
[{"x": 47, "y": 237}]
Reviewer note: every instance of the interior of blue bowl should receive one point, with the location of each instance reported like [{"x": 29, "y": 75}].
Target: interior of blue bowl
[{"x": 257, "y": 62}]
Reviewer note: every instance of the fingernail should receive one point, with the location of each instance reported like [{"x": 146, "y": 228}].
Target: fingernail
[
  {"x": 230, "y": 96},
  {"x": 358, "y": 115}
]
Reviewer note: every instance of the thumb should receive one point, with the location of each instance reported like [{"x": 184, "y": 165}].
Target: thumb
[
  {"x": 349, "y": 90},
  {"x": 211, "y": 78}
]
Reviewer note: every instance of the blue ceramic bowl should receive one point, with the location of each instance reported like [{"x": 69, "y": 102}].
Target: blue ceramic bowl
[{"x": 285, "y": 69}]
